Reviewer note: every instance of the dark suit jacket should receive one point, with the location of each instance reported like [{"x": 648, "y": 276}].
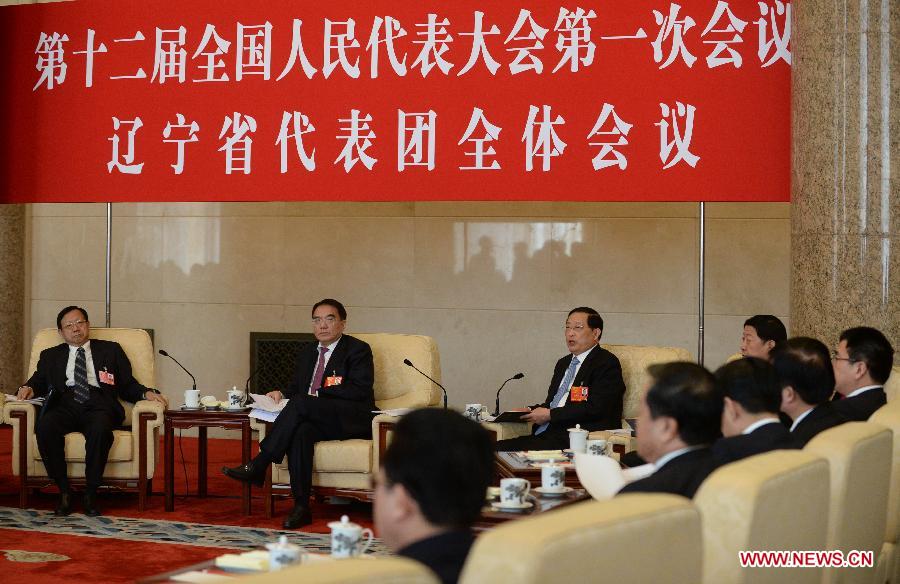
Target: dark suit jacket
[
  {"x": 353, "y": 400},
  {"x": 681, "y": 476},
  {"x": 444, "y": 553},
  {"x": 107, "y": 355},
  {"x": 821, "y": 418},
  {"x": 602, "y": 374},
  {"x": 860, "y": 407},
  {"x": 763, "y": 439}
]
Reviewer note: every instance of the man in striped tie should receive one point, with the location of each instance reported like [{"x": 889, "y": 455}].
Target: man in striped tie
[
  {"x": 586, "y": 388},
  {"x": 82, "y": 381}
]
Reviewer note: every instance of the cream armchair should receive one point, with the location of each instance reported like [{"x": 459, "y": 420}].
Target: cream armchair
[
  {"x": 345, "y": 467},
  {"x": 365, "y": 570},
  {"x": 134, "y": 453},
  {"x": 888, "y": 565}
]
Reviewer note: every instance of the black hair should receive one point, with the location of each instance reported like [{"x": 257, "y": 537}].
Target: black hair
[
  {"x": 804, "y": 364},
  {"x": 66, "y": 311},
  {"x": 768, "y": 328},
  {"x": 751, "y": 382},
  {"x": 342, "y": 312},
  {"x": 445, "y": 462},
  {"x": 870, "y": 346},
  {"x": 594, "y": 321},
  {"x": 686, "y": 392}
]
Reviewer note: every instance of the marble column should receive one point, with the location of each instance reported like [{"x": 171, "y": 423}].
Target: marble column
[
  {"x": 845, "y": 212},
  {"x": 12, "y": 294}
]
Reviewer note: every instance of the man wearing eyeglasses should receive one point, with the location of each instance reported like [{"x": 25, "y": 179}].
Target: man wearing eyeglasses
[
  {"x": 862, "y": 364},
  {"x": 331, "y": 398},
  {"x": 586, "y": 389},
  {"x": 82, "y": 381}
]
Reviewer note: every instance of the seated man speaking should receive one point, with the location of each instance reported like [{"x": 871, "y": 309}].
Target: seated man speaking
[
  {"x": 431, "y": 487},
  {"x": 331, "y": 398},
  {"x": 586, "y": 388}
]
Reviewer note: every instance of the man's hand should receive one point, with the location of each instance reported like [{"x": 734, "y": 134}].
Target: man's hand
[
  {"x": 537, "y": 416},
  {"x": 157, "y": 397},
  {"x": 276, "y": 395},
  {"x": 25, "y": 392}
]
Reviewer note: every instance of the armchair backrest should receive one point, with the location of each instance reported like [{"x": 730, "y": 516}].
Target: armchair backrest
[
  {"x": 632, "y": 538},
  {"x": 892, "y": 386},
  {"x": 634, "y": 360},
  {"x": 397, "y": 385},
  {"x": 773, "y": 501},
  {"x": 859, "y": 455},
  {"x": 889, "y": 416},
  {"x": 135, "y": 342},
  {"x": 365, "y": 570}
]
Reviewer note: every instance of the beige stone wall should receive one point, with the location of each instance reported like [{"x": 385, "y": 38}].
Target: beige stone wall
[{"x": 490, "y": 281}]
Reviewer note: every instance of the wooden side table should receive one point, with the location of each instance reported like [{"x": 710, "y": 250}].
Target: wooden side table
[{"x": 202, "y": 420}]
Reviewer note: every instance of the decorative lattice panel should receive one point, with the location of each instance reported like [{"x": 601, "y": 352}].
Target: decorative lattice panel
[{"x": 273, "y": 356}]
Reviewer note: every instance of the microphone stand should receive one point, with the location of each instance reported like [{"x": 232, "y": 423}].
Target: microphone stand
[
  {"x": 165, "y": 354},
  {"x": 409, "y": 363},
  {"x": 497, "y": 404}
]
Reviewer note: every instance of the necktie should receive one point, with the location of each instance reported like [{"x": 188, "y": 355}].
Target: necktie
[
  {"x": 320, "y": 372},
  {"x": 82, "y": 390},
  {"x": 563, "y": 388}
]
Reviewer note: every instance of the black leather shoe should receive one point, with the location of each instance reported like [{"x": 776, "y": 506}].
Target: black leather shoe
[
  {"x": 90, "y": 505},
  {"x": 64, "y": 507},
  {"x": 298, "y": 517},
  {"x": 246, "y": 473}
]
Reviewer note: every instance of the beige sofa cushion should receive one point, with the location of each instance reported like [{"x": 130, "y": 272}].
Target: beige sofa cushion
[
  {"x": 633, "y": 538},
  {"x": 122, "y": 447},
  {"x": 892, "y": 386},
  {"x": 351, "y": 571},
  {"x": 764, "y": 502},
  {"x": 634, "y": 360},
  {"x": 399, "y": 386}
]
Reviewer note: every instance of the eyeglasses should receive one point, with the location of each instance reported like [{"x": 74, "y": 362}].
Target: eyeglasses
[
  {"x": 74, "y": 324},
  {"x": 834, "y": 357},
  {"x": 328, "y": 320},
  {"x": 577, "y": 327}
]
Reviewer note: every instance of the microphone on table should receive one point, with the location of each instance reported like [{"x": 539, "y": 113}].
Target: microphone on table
[
  {"x": 408, "y": 362},
  {"x": 165, "y": 354},
  {"x": 497, "y": 405}
]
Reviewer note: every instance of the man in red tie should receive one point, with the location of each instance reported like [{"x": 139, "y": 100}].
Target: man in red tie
[{"x": 331, "y": 398}]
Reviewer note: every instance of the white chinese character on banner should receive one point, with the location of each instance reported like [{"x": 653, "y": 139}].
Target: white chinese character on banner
[
  {"x": 681, "y": 139},
  {"x": 301, "y": 125},
  {"x": 169, "y": 57},
  {"x": 415, "y": 141},
  {"x": 254, "y": 50},
  {"x": 89, "y": 51},
  {"x": 780, "y": 38},
  {"x": 124, "y": 163},
  {"x": 238, "y": 146},
  {"x": 574, "y": 38},
  {"x": 184, "y": 134},
  {"x": 211, "y": 47},
  {"x": 479, "y": 48},
  {"x": 339, "y": 42},
  {"x": 140, "y": 74},
  {"x": 491, "y": 133},
  {"x": 392, "y": 32},
  {"x": 670, "y": 26},
  {"x": 730, "y": 29},
  {"x": 297, "y": 52},
  {"x": 434, "y": 45},
  {"x": 525, "y": 60},
  {"x": 547, "y": 144},
  {"x": 358, "y": 137},
  {"x": 615, "y": 135},
  {"x": 51, "y": 60}
]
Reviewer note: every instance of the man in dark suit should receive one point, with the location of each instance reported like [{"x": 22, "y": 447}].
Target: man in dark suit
[
  {"x": 430, "y": 489},
  {"x": 331, "y": 398},
  {"x": 586, "y": 389},
  {"x": 82, "y": 381},
  {"x": 752, "y": 401},
  {"x": 807, "y": 382},
  {"x": 679, "y": 418},
  {"x": 862, "y": 364}
]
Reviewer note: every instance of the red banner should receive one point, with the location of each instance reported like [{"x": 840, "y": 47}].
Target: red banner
[{"x": 231, "y": 100}]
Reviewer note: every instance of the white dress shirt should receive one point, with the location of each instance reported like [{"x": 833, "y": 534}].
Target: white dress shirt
[
  {"x": 581, "y": 357},
  {"x": 89, "y": 363},
  {"x": 856, "y": 392},
  {"x": 760, "y": 423},
  {"x": 328, "y": 354}
]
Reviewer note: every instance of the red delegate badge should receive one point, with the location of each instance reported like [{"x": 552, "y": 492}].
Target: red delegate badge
[{"x": 578, "y": 393}]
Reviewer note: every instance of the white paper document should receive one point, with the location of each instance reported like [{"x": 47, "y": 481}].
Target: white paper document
[
  {"x": 37, "y": 401},
  {"x": 602, "y": 476},
  {"x": 266, "y": 408}
]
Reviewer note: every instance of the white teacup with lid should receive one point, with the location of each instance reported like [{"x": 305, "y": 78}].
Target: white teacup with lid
[
  {"x": 282, "y": 554},
  {"x": 346, "y": 538},
  {"x": 578, "y": 439}
]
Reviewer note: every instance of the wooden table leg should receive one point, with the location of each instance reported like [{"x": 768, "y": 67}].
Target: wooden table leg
[
  {"x": 246, "y": 434},
  {"x": 201, "y": 461},
  {"x": 169, "y": 464}
]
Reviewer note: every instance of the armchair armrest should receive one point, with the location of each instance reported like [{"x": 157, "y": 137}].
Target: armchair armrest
[
  {"x": 259, "y": 426},
  {"x": 21, "y": 416},
  {"x": 147, "y": 406},
  {"x": 507, "y": 430},
  {"x": 382, "y": 425}
]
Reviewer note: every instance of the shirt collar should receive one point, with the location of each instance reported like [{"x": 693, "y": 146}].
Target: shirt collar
[
  {"x": 582, "y": 356},
  {"x": 662, "y": 460},
  {"x": 800, "y": 418},
  {"x": 759, "y": 424},
  {"x": 86, "y": 345},
  {"x": 860, "y": 390},
  {"x": 332, "y": 345}
]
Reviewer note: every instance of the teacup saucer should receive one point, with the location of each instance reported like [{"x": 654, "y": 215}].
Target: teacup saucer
[
  {"x": 237, "y": 409},
  {"x": 553, "y": 492},
  {"x": 187, "y": 409},
  {"x": 501, "y": 506}
]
